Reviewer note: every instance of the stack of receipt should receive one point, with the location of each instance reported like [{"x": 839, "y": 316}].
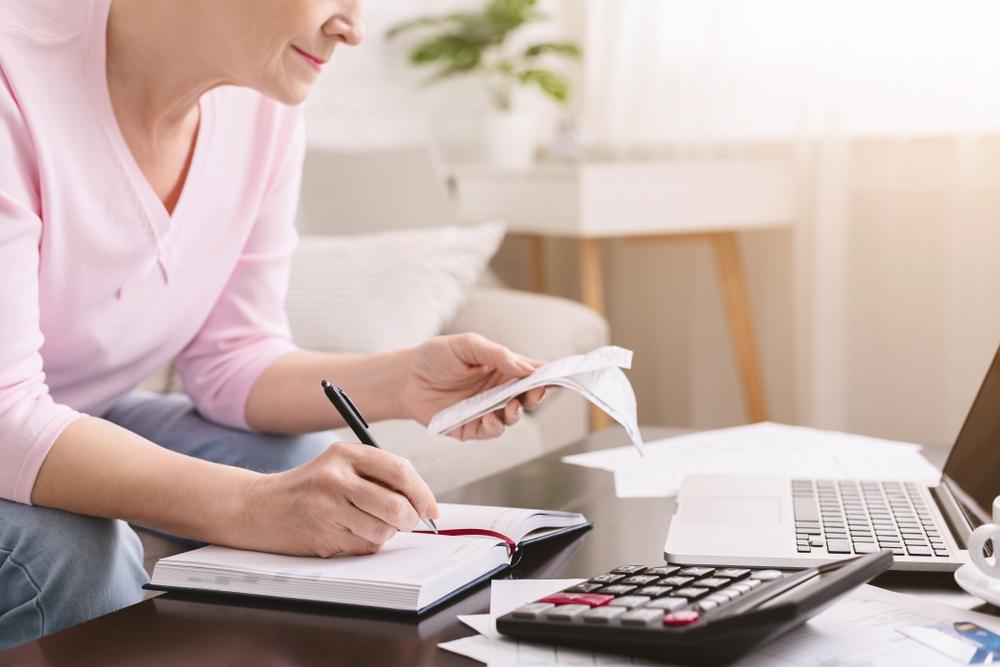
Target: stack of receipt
[{"x": 596, "y": 375}]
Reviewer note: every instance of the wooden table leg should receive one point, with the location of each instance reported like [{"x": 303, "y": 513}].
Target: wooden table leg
[
  {"x": 538, "y": 263},
  {"x": 737, "y": 305},
  {"x": 592, "y": 293}
]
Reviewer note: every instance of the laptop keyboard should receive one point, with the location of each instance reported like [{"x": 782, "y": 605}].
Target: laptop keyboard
[{"x": 861, "y": 517}]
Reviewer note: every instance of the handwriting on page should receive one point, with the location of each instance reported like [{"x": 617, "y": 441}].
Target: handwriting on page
[{"x": 597, "y": 376}]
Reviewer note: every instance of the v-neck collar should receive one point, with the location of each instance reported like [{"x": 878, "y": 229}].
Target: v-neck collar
[{"x": 160, "y": 224}]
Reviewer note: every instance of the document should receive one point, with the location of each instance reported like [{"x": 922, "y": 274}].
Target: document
[
  {"x": 597, "y": 376},
  {"x": 764, "y": 448},
  {"x": 863, "y": 629}
]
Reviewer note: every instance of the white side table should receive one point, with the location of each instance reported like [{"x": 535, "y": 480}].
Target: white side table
[{"x": 677, "y": 200}]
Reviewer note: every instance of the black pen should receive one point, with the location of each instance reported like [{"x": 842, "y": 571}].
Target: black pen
[{"x": 353, "y": 417}]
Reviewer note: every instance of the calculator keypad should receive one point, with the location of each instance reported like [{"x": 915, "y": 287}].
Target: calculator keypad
[{"x": 664, "y": 596}]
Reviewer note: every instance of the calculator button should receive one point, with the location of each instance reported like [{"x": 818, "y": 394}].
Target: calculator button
[
  {"x": 583, "y": 588},
  {"x": 643, "y": 616},
  {"x": 617, "y": 589},
  {"x": 533, "y": 610},
  {"x": 706, "y": 605},
  {"x": 629, "y": 569},
  {"x": 589, "y": 599},
  {"x": 730, "y": 593},
  {"x": 670, "y": 604},
  {"x": 679, "y": 618},
  {"x": 566, "y": 612},
  {"x": 630, "y": 601},
  {"x": 676, "y": 581},
  {"x": 640, "y": 579},
  {"x": 742, "y": 587},
  {"x": 608, "y": 578},
  {"x": 664, "y": 571},
  {"x": 653, "y": 591},
  {"x": 693, "y": 593},
  {"x": 713, "y": 582},
  {"x": 697, "y": 571},
  {"x": 766, "y": 575},
  {"x": 718, "y": 598},
  {"x": 752, "y": 583},
  {"x": 732, "y": 573},
  {"x": 603, "y": 614}
]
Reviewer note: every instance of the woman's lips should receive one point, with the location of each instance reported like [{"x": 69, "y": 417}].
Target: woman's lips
[{"x": 311, "y": 60}]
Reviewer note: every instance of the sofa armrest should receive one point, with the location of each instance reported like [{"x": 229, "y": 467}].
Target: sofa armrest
[{"x": 538, "y": 326}]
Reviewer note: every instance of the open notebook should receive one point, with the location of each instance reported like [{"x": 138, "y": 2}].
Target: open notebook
[{"x": 412, "y": 573}]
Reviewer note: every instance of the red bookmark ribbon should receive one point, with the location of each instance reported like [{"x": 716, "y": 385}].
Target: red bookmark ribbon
[{"x": 511, "y": 544}]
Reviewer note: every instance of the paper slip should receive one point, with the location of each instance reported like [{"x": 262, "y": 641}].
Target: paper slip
[
  {"x": 596, "y": 375},
  {"x": 507, "y": 595},
  {"x": 861, "y": 629},
  {"x": 765, "y": 448}
]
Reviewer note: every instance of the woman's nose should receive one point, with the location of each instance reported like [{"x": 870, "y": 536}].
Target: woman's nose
[{"x": 346, "y": 26}]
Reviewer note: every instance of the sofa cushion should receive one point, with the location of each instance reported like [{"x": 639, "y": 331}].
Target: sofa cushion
[{"x": 384, "y": 291}]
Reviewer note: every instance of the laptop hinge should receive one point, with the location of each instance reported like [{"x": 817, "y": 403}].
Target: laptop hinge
[{"x": 950, "y": 508}]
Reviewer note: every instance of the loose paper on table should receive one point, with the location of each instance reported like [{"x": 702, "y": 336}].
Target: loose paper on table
[
  {"x": 765, "y": 448},
  {"x": 596, "y": 375}
]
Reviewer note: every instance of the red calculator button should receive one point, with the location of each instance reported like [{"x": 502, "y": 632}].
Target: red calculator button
[
  {"x": 589, "y": 599},
  {"x": 685, "y": 617}
]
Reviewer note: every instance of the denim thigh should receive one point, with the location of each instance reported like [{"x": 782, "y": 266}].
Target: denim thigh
[{"x": 58, "y": 569}]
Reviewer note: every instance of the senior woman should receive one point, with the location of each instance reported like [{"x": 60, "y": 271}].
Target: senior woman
[{"x": 151, "y": 162}]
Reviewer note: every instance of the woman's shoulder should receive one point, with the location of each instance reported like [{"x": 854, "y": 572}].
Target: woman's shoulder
[{"x": 44, "y": 20}]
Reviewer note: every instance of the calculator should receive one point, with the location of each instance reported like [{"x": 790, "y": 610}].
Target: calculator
[{"x": 686, "y": 614}]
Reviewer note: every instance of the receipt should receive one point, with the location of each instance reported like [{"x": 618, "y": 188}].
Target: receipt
[{"x": 597, "y": 376}]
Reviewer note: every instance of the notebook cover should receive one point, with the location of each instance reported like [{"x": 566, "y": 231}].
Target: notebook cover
[
  {"x": 562, "y": 531},
  {"x": 340, "y": 605}
]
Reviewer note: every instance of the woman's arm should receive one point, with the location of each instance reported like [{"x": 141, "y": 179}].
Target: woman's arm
[
  {"x": 327, "y": 506},
  {"x": 414, "y": 383}
]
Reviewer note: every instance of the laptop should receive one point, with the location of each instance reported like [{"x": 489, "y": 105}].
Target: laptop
[{"x": 777, "y": 521}]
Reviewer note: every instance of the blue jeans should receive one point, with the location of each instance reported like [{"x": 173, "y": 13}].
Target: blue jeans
[{"x": 59, "y": 568}]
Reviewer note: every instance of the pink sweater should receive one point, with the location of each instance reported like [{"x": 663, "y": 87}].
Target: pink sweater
[{"x": 99, "y": 286}]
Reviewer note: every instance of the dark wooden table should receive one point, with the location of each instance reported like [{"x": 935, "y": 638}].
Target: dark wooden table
[{"x": 199, "y": 630}]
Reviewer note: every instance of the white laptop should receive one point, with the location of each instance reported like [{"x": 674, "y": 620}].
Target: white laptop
[{"x": 776, "y": 521}]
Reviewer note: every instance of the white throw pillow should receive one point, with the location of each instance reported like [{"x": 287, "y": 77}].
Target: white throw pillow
[{"x": 384, "y": 291}]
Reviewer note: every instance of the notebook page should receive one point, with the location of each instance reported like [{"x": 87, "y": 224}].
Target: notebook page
[
  {"x": 407, "y": 559},
  {"x": 514, "y": 522}
]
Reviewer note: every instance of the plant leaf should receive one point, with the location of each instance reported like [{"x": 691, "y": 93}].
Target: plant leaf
[
  {"x": 568, "y": 49},
  {"x": 427, "y": 22},
  {"x": 552, "y": 84}
]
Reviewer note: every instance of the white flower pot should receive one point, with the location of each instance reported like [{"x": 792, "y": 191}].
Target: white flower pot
[{"x": 510, "y": 139}]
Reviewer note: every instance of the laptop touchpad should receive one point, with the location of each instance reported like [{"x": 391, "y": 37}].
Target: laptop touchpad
[{"x": 730, "y": 509}]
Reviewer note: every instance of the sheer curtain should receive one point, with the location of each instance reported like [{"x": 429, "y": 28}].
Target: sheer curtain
[{"x": 891, "y": 112}]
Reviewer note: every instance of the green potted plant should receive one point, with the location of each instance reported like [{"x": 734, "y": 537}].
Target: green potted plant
[{"x": 479, "y": 44}]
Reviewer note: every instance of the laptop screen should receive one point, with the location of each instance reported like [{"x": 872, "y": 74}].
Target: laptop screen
[{"x": 974, "y": 463}]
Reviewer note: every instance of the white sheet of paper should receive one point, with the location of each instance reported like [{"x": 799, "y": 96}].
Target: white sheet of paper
[
  {"x": 596, "y": 375},
  {"x": 760, "y": 448},
  {"x": 862, "y": 629},
  {"x": 506, "y": 595}
]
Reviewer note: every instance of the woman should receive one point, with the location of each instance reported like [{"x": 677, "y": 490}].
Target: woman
[{"x": 151, "y": 162}]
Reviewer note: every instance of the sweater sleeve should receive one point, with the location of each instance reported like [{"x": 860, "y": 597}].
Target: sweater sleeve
[
  {"x": 247, "y": 329},
  {"x": 30, "y": 420}
]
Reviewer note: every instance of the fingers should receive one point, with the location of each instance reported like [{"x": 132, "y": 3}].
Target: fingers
[
  {"x": 531, "y": 399},
  {"x": 349, "y": 543},
  {"x": 369, "y": 528},
  {"x": 477, "y": 350},
  {"x": 394, "y": 473},
  {"x": 384, "y": 505}
]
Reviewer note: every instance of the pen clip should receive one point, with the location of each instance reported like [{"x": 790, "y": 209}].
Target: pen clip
[{"x": 354, "y": 409}]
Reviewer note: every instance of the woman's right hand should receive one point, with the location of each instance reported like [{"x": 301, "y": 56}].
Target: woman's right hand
[{"x": 348, "y": 500}]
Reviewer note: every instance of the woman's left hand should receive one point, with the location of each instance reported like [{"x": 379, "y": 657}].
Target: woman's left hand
[{"x": 448, "y": 369}]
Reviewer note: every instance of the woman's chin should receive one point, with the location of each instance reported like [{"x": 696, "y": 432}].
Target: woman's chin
[{"x": 289, "y": 92}]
